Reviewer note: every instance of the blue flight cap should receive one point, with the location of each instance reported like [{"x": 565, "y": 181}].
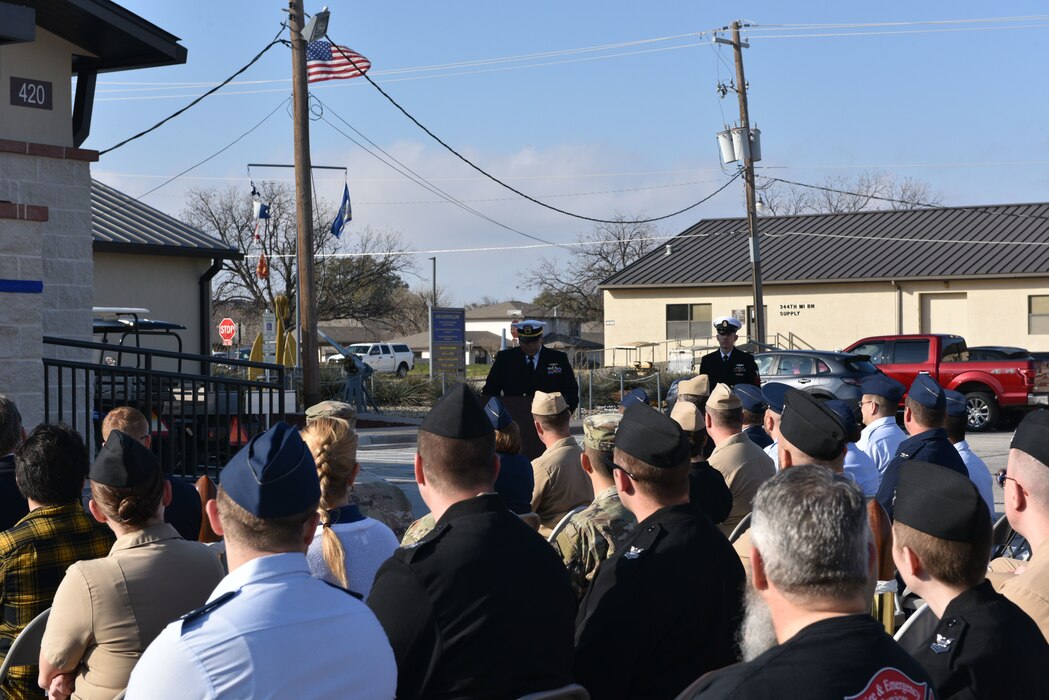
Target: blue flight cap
[
  {"x": 883, "y": 385},
  {"x": 927, "y": 392},
  {"x": 751, "y": 397},
  {"x": 774, "y": 393},
  {"x": 274, "y": 475},
  {"x": 497, "y": 413},
  {"x": 634, "y": 396},
  {"x": 844, "y": 413},
  {"x": 956, "y": 406}
]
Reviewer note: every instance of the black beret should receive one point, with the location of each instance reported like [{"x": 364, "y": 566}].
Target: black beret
[
  {"x": 939, "y": 502},
  {"x": 1032, "y": 436},
  {"x": 925, "y": 391},
  {"x": 458, "y": 414},
  {"x": 123, "y": 461},
  {"x": 811, "y": 427},
  {"x": 274, "y": 475},
  {"x": 655, "y": 439}
]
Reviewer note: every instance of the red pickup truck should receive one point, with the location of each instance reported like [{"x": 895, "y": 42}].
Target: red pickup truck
[{"x": 990, "y": 387}]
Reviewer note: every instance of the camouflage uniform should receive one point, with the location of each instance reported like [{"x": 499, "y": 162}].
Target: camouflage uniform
[
  {"x": 418, "y": 530},
  {"x": 591, "y": 536},
  {"x": 379, "y": 499}
]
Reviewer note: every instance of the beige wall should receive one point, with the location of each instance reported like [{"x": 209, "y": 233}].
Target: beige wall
[
  {"x": 47, "y": 59},
  {"x": 166, "y": 285},
  {"x": 831, "y": 316}
]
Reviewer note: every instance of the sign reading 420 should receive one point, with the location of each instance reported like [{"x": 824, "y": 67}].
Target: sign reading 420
[{"x": 26, "y": 92}]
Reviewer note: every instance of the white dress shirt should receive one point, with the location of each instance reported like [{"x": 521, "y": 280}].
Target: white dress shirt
[{"x": 978, "y": 472}]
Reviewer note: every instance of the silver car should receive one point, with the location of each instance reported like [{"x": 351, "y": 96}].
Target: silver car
[{"x": 826, "y": 374}]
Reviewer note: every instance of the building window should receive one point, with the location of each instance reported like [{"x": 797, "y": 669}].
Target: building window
[
  {"x": 686, "y": 321},
  {"x": 1038, "y": 314}
]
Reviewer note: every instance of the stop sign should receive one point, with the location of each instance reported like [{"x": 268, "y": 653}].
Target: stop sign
[{"x": 227, "y": 329}]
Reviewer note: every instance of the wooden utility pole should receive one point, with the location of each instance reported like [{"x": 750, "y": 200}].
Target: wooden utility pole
[
  {"x": 304, "y": 209},
  {"x": 752, "y": 200}
]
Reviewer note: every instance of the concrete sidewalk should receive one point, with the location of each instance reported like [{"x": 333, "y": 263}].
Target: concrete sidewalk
[{"x": 407, "y": 433}]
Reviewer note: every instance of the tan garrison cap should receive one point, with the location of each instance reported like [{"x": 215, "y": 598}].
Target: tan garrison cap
[
  {"x": 723, "y": 398},
  {"x": 697, "y": 386},
  {"x": 599, "y": 430},
  {"x": 688, "y": 416},
  {"x": 544, "y": 404},
  {"x": 333, "y": 409}
]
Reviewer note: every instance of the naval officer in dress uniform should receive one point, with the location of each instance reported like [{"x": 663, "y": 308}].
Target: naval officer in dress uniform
[
  {"x": 728, "y": 364},
  {"x": 269, "y": 629},
  {"x": 530, "y": 367}
]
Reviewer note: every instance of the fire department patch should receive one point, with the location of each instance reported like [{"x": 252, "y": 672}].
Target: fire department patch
[{"x": 892, "y": 684}]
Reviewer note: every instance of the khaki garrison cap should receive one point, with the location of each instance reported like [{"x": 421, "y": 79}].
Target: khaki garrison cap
[
  {"x": 723, "y": 399},
  {"x": 688, "y": 416},
  {"x": 544, "y": 404}
]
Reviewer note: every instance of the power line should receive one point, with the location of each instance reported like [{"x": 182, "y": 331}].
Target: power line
[
  {"x": 504, "y": 184},
  {"x": 249, "y": 64}
]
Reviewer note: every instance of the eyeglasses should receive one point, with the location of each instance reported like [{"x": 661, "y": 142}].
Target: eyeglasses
[
  {"x": 1001, "y": 478},
  {"x": 612, "y": 465}
]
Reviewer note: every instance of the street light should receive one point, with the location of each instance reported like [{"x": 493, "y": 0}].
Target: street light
[{"x": 317, "y": 27}]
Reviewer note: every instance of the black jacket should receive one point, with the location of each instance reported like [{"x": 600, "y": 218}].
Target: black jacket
[
  {"x": 661, "y": 611},
  {"x": 481, "y": 607},
  {"x": 986, "y": 647},
  {"x": 13, "y": 505},
  {"x": 740, "y": 368},
  {"x": 708, "y": 491},
  {"x": 930, "y": 446},
  {"x": 509, "y": 375}
]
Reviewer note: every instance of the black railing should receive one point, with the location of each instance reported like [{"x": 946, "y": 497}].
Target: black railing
[{"x": 197, "y": 421}]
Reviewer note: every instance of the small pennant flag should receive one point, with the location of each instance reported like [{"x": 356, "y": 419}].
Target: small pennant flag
[
  {"x": 262, "y": 211},
  {"x": 325, "y": 61},
  {"x": 262, "y": 270},
  {"x": 345, "y": 213}
]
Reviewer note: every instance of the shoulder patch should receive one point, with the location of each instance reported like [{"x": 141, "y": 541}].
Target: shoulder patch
[
  {"x": 432, "y": 536},
  {"x": 892, "y": 684},
  {"x": 203, "y": 610}
]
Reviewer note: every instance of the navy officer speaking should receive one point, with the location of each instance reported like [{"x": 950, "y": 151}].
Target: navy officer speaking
[
  {"x": 523, "y": 370},
  {"x": 728, "y": 364}
]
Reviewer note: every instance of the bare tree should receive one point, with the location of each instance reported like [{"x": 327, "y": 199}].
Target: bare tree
[
  {"x": 359, "y": 286},
  {"x": 413, "y": 308},
  {"x": 870, "y": 190},
  {"x": 603, "y": 251}
]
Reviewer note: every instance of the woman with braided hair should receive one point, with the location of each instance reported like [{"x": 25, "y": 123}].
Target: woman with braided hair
[{"x": 348, "y": 548}]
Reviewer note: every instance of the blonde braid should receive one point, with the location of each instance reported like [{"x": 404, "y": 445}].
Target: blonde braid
[{"x": 334, "y": 448}]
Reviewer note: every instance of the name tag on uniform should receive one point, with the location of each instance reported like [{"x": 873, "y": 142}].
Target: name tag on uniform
[{"x": 553, "y": 368}]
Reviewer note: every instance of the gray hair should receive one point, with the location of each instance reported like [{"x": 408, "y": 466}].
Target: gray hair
[
  {"x": 10, "y": 426},
  {"x": 810, "y": 527}
]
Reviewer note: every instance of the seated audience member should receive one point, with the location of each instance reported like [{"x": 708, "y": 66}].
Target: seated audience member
[
  {"x": 13, "y": 506},
  {"x": 941, "y": 537},
  {"x": 858, "y": 464},
  {"x": 480, "y": 607},
  {"x": 269, "y": 629},
  {"x": 632, "y": 397},
  {"x": 754, "y": 407},
  {"x": 743, "y": 464},
  {"x": 376, "y": 497},
  {"x": 1025, "y": 485},
  {"x": 347, "y": 548},
  {"x": 50, "y": 467},
  {"x": 706, "y": 486},
  {"x": 924, "y": 411},
  {"x": 184, "y": 513},
  {"x": 560, "y": 485},
  {"x": 955, "y": 424},
  {"x": 808, "y": 631},
  {"x": 593, "y": 534},
  {"x": 773, "y": 393},
  {"x": 664, "y": 608},
  {"x": 108, "y": 610},
  {"x": 696, "y": 391},
  {"x": 880, "y": 437},
  {"x": 516, "y": 481}
]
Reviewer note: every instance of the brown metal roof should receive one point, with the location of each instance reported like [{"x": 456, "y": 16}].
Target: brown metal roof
[{"x": 982, "y": 241}]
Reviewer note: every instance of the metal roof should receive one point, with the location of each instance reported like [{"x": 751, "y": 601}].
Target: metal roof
[
  {"x": 120, "y": 224},
  {"x": 980, "y": 241},
  {"x": 119, "y": 38}
]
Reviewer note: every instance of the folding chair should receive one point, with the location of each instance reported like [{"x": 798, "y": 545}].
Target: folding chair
[
  {"x": 531, "y": 519},
  {"x": 884, "y": 608},
  {"x": 572, "y": 691},
  {"x": 25, "y": 650},
  {"x": 563, "y": 523},
  {"x": 741, "y": 527},
  {"x": 1006, "y": 542}
]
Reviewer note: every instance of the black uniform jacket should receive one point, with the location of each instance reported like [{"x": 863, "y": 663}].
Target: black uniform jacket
[
  {"x": 833, "y": 659},
  {"x": 986, "y": 647},
  {"x": 661, "y": 611},
  {"x": 708, "y": 491},
  {"x": 739, "y": 369},
  {"x": 510, "y": 376},
  {"x": 930, "y": 446},
  {"x": 481, "y": 607},
  {"x": 13, "y": 505}
]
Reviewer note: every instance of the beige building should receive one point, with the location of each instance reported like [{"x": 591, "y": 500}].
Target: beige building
[{"x": 831, "y": 279}]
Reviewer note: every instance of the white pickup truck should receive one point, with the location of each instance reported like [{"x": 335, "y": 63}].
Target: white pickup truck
[{"x": 394, "y": 358}]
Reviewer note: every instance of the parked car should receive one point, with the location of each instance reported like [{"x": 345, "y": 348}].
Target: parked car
[
  {"x": 395, "y": 358},
  {"x": 990, "y": 386},
  {"x": 821, "y": 373}
]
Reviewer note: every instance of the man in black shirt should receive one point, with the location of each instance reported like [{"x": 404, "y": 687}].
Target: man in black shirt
[
  {"x": 811, "y": 596},
  {"x": 706, "y": 486},
  {"x": 728, "y": 364},
  {"x": 531, "y": 367}
]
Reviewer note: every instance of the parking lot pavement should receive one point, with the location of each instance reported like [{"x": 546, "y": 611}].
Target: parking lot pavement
[{"x": 993, "y": 449}]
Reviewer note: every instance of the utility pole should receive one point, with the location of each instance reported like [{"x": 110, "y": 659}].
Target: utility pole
[
  {"x": 748, "y": 174},
  {"x": 304, "y": 209}
]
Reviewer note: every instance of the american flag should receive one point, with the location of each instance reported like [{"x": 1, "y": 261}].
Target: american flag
[{"x": 327, "y": 62}]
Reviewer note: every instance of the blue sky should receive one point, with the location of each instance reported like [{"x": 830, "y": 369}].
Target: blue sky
[{"x": 629, "y": 128}]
